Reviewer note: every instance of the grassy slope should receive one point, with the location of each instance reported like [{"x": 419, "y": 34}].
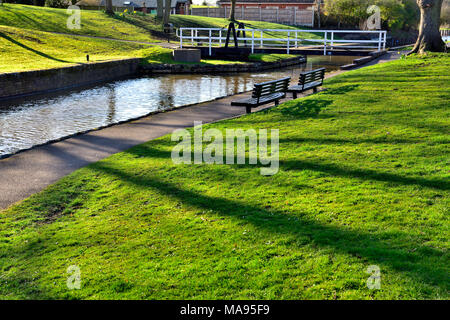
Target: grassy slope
[
  {"x": 94, "y": 23},
  {"x": 23, "y": 45},
  {"x": 97, "y": 23},
  {"x": 364, "y": 180},
  {"x": 24, "y": 50},
  {"x": 270, "y": 57}
]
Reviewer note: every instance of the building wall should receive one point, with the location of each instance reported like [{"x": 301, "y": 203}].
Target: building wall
[{"x": 290, "y": 15}]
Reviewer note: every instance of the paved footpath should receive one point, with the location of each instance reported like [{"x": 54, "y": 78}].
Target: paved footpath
[{"x": 31, "y": 171}]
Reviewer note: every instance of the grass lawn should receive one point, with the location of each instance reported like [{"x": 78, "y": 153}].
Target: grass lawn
[
  {"x": 274, "y": 57},
  {"x": 93, "y": 23},
  {"x": 24, "y": 50},
  {"x": 126, "y": 27},
  {"x": 363, "y": 180},
  {"x": 26, "y": 44}
]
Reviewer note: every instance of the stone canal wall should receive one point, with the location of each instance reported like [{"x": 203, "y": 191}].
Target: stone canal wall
[
  {"x": 223, "y": 68},
  {"x": 40, "y": 81},
  {"x": 18, "y": 84}
]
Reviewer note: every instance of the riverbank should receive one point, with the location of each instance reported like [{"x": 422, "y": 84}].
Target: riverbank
[
  {"x": 158, "y": 68},
  {"x": 362, "y": 182},
  {"x": 33, "y": 162},
  {"x": 133, "y": 27},
  {"x": 20, "y": 84}
]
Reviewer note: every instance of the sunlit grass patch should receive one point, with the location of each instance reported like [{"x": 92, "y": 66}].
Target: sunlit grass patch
[{"x": 364, "y": 180}]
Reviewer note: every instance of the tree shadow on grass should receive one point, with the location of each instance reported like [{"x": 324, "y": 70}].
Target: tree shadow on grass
[
  {"x": 364, "y": 174},
  {"x": 340, "y": 90},
  {"x": 31, "y": 23},
  {"x": 31, "y": 49},
  {"x": 308, "y": 108},
  {"x": 406, "y": 256},
  {"x": 355, "y": 141},
  {"x": 154, "y": 32},
  {"x": 145, "y": 151},
  {"x": 397, "y": 250}
]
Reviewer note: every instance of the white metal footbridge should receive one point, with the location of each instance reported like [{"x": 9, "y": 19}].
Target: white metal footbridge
[{"x": 285, "y": 38}]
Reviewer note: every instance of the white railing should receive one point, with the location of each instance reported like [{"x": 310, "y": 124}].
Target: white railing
[{"x": 285, "y": 38}]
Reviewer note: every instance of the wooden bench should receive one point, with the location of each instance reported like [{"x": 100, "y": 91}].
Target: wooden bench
[
  {"x": 263, "y": 93},
  {"x": 308, "y": 80}
]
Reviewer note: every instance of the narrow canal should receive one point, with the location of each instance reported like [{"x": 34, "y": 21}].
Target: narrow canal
[{"x": 32, "y": 121}]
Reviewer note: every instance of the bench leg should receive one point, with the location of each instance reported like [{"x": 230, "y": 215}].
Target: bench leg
[
  {"x": 294, "y": 95},
  {"x": 315, "y": 89},
  {"x": 277, "y": 102},
  {"x": 248, "y": 109}
]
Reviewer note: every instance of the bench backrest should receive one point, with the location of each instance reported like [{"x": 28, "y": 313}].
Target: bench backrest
[
  {"x": 270, "y": 87},
  {"x": 312, "y": 76}
]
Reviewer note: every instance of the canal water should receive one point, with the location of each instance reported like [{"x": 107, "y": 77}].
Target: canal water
[{"x": 32, "y": 121}]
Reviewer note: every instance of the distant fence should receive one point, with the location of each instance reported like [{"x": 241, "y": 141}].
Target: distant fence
[
  {"x": 291, "y": 16},
  {"x": 445, "y": 33}
]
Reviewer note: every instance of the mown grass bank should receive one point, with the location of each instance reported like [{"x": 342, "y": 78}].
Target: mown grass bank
[
  {"x": 25, "y": 50},
  {"x": 363, "y": 180},
  {"x": 122, "y": 26},
  {"x": 93, "y": 23}
]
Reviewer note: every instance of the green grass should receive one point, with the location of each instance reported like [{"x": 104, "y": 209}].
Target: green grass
[
  {"x": 93, "y": 23},
  {"x": 97, "y": 23},
  {"x": 27, "y": 44},
  {"x": 270, "y": 57},
  {"x": 409, "y": 48},
  {"x": 363, "y": 180},
  {"x": 25, "y": 50}
]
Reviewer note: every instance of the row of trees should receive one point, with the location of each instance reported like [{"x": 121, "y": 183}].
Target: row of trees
[{"x": 395, "y": 14}]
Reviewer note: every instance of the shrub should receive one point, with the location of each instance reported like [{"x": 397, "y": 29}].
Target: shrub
[
  {"x": 395, "y": 14},
  {"x": 57, "y": 3}
]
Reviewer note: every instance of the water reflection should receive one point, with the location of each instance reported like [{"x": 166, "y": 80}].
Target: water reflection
[{"x": 32, "y": 121}]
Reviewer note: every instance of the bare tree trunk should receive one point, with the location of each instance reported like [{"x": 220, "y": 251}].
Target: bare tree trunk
[
  {"x": 109, "y": 7},
  {"x": 430, "y": 38},
  {"x": 167, "y": 11},
  {"x": 159, "y": 8},
  {"x": 319, "y": 4},
  {"x": 233, "y": 10}
]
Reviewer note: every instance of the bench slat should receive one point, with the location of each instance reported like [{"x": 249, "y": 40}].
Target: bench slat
[
  {"x": 308, "y": 80},
  {"x": 263, "y": 100},
  {"x": 266, "y": 92}
]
